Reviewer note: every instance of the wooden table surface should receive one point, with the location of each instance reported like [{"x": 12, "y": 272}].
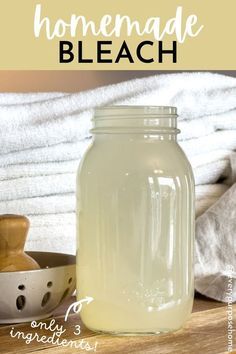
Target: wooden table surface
[{"x": 205, "y": 332}]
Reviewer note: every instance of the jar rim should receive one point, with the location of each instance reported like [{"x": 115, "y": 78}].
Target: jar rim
[
  {"x": 137, "y": 110},
  {"x": 135, "y": 119}
]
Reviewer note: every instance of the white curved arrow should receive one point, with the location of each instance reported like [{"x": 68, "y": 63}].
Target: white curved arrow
[{"x": 77, "y": 306}]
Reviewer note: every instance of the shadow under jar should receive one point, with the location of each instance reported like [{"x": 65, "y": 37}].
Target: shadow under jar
[{"x": 135, "y": 209}]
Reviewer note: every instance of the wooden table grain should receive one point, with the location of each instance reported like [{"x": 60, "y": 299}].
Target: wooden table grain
[{"x": 205, "y": 332}]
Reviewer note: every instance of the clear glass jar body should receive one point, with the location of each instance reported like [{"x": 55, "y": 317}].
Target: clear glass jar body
[{"x": 135, "y": 195}]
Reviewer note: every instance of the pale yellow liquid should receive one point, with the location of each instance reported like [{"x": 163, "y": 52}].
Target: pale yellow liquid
[{"x": 135, "y": 230}]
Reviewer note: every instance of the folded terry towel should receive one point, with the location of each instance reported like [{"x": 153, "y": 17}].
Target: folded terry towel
[
  {"x": 37, "y": 169},
  {"x": 52, "y": 204},
  {"x": 63, "y": 118},
  {"x": 37, "y": 186},
  {"x": 53, "y": 241},
  {"x": 55, "y": 153}
]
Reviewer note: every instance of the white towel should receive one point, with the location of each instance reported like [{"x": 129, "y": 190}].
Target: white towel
[
  {"x": 37, "y": 186},
  {"x": 66, "y": 117},
  {"x": 207, "y": 125},
  {"x": 52, "y": 204},
  {"x": 55, "y": 153},
  {"x": 41, "y": 169},
  {"x": 212, "y": 172},
  {"x": 209, "y": 157},
  {"x": 47, "y": 231},
  {"x": 52, "y": 220},
  {"x": 50, "y": 239}
]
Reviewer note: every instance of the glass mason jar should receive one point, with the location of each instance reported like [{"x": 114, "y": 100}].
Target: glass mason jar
[{"x": 135, "y": 209}]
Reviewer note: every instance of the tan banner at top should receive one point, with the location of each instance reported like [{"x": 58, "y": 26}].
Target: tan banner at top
[{"x": 118, "y": 35}]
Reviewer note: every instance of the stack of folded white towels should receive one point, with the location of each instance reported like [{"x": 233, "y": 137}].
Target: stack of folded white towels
[{"x": 43, "y": 137}]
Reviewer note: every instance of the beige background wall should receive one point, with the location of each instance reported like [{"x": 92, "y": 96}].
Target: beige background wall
[{"x": 68, "y": 81}]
